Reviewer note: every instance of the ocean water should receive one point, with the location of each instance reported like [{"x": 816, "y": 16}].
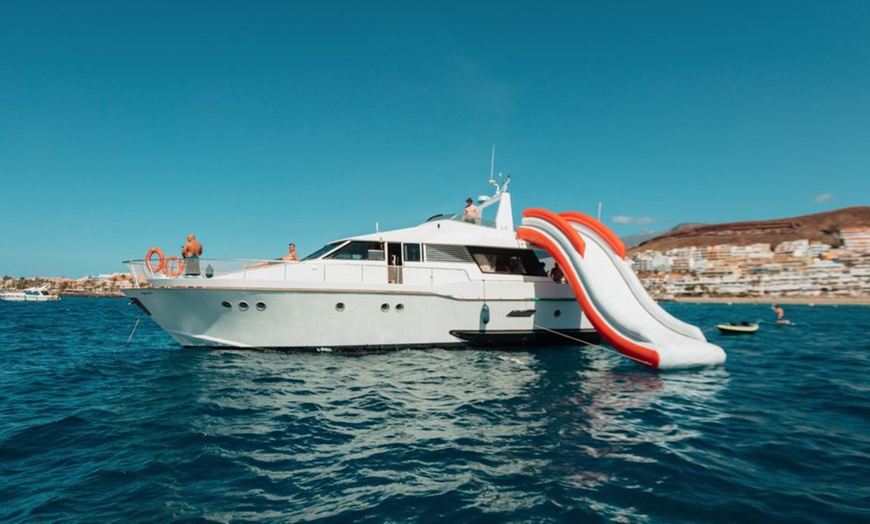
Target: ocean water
[{"x": 93, "y": 431}]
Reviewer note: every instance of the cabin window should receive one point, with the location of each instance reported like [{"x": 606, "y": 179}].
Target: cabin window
[
  {"x": 507, "y": 261},
  {"x": 412, "y": 252},
  {"x": 360, "y": 250}
]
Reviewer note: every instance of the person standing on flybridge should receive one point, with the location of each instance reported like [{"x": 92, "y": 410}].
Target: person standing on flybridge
[{"x": 471, "y": 213}]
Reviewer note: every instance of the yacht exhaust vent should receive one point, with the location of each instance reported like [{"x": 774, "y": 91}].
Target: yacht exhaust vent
[{"x": 448, "y": 253}]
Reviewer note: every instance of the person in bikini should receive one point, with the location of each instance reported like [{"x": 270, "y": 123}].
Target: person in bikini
[{"x": 292, "y": 256}]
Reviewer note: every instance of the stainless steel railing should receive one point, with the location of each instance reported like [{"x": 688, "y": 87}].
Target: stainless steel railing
[{"x": 146, "y": 272}]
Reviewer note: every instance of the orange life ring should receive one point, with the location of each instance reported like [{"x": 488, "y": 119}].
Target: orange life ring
[
  {"x": 178, "y": 263},
  {"x": 160, "y": 266}
]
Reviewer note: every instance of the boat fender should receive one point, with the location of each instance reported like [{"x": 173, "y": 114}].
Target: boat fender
[
  {"x": 178, "y": 269},
  {"x": 160, "y": 266},
  {"x": 484, "y": 314}
]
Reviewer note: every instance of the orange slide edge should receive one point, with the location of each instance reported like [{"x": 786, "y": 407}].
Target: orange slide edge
[
  {"x": 572, "y": 234},
  {"x": 626, "y": 347},
  {"x": 595, "y": 225}
]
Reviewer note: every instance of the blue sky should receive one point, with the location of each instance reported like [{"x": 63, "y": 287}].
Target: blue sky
[{"x": 126, "y": 125}]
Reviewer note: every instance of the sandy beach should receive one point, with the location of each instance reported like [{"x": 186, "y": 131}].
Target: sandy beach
[{"x": 862, "y": 301}]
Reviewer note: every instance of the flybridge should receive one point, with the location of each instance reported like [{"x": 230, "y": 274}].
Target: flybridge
[{"x": 504, "y": 218}]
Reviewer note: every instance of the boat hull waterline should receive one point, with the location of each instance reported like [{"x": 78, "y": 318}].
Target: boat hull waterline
[{"x": 358, "y": 321}]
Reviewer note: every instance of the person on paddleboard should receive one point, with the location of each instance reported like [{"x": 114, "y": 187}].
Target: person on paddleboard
[{"x": 780, "y": 314}]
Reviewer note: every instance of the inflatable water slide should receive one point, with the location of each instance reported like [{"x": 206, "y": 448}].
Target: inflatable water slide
[{"x": 592, "y": 258}]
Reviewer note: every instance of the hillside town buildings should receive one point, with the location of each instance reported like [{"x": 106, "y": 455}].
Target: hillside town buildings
[
  {"x": 796, "y": 268},
  {"x": 799, "y": 268},
  {"x": 96, "y": 286}
]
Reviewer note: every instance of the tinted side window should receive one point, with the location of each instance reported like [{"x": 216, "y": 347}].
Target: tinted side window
[
  {"x": 412, "y": 253},
  {"x": 509, "y": 261}
]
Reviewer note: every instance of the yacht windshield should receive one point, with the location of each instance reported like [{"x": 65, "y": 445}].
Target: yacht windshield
[
  {"x": 360, "y": 250},
  {"x": 324, "y": 250}
]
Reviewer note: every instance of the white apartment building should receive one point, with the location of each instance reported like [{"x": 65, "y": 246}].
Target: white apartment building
[
  {"x": 800, "y": 268},
  {"x": 856, "y": 239}
]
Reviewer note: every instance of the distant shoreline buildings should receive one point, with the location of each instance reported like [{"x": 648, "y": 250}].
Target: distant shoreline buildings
[
  {"x": 91, "y": 286},
  {"x": 799, "y": 268}
]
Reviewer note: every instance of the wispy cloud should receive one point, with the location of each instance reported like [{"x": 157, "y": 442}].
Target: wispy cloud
[
  {"x": 641, "y": 221},
  {"x": 471, "y": 81},
  {"x": 824, "y": 197},
  {"x": 460, "y": 77}
]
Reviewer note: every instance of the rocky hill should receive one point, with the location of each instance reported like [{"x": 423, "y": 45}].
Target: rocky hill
[{"x": 821, "y": 227}]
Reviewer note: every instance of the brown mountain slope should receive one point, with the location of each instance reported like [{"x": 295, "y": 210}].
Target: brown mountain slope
[{"x": 822, "y": 227}]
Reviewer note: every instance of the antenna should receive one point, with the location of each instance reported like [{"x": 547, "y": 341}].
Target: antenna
[
  {"x": 492, "y": 165},
  {"x": 599, "y": 210}
]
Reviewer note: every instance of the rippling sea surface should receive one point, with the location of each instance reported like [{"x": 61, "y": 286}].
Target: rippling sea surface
[{"x": 93, "y": 431}]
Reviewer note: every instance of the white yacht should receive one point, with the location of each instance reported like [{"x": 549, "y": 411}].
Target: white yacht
[
  {"x": 41, "y": 293},
  {"x": 443, "y": 283}
]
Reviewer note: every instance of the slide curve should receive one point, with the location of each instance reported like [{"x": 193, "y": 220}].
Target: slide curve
[{"x": 592, "y": 258}]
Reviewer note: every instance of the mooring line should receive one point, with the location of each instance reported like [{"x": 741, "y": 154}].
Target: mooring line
[
  {"x": 569, "y": 337},
  {"x": 131, "y": 333}
]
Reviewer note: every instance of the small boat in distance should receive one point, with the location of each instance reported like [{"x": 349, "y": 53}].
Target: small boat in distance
[
  {"x": 743, "y": 327},
  {"x": 41, "y": 293}
]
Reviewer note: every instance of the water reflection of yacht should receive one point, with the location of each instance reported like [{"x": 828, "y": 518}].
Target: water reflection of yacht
[{"x": 444, "y": 283}]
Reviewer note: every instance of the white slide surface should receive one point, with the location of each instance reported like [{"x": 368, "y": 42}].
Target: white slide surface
[{"x": 612, "y": 296}]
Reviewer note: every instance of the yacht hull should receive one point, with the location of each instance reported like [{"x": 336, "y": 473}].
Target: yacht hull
[{"x": 359, "y": 320}]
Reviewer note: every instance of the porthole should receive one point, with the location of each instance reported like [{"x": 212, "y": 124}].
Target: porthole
[
  {"x": 339, "y": 307},
  {"x": 557, "y": 313},
  {"x": 226, "y": 304},
  {"x": 243, "y": 306},
  {"x": 261, "y": 306},
  {"x": 385, "y": 307},
  {"x": 400, "y": 307}
]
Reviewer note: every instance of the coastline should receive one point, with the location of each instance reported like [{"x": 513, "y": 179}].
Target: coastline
[
  {"x": 811, "y": 301},
  {"x": 91, "y": 294}
]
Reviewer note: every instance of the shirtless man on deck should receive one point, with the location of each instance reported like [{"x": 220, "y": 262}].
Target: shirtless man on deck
[
  {"x": 191, "y": 253},
  {"x": 192, "y": 249},
  {"x": 471, "y": 213}
]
